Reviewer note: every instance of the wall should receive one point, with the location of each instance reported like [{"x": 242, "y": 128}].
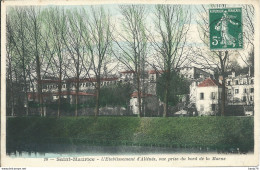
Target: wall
[{"x": 208, "y": 101}]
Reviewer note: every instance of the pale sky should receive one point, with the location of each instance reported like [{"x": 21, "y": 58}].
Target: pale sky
[{"x": 193, "y": 36}]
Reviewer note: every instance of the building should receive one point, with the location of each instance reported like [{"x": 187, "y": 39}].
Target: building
[
  {"x": 150, "y": 104},
  {"x": 193, "y": 90},
  {"x": 240, "y": 89},
  {"x": 208, "y": 97},
  {"x": 83, "y": 97},
  {"x": 193, "y": 73}
]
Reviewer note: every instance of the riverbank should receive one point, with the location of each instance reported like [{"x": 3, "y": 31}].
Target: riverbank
[{"x": 218, "y": 133}]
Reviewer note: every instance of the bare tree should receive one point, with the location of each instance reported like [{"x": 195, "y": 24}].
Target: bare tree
[
  {"x": 132, "y": 44},
  {"x": 36, "y": 43},
  {"x": 169, "y": 40},
  {"x": 56, "y": 20},
  {"x": 20, "y": 40},
  {"x": 249, "y": 33},
  {"x": 76, "y": 49},
  {"x": 10, "y": 61},
  {"x": 97, "y": 38}
]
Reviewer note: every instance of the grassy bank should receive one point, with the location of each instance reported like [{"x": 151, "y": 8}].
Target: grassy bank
[{"x": 212, "y": 132}]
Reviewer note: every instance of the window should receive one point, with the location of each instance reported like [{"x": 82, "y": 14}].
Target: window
[
  {"x": 201, "y": 96},
  {"x": 213, "y": 107},
  {"x": 236, "y": 91},
  {"x": 236, "y": 82},
  {"x": 244, "y": 98},
  {"x": 229, "y": 83},
  {"x": 251, "y": 98},
  {"x": 201, "y": 108},
  {"x": 229, "y": 91},
  {"x": 244, "y": 90},
  {"x": 252, "y": 90},
  {"x": 213, "y": 95},
  {"x": 244, "y": 81},
  {"x": 252, "y": 81}
]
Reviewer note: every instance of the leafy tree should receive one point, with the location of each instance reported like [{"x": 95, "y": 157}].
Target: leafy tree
[
  {"x": 178, "y": 86},
  {"x": 115, "y": 95}
]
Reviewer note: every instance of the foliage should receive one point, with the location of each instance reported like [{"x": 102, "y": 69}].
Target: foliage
[
  {"x": 178, "y": 86},
  {"x": 235, "y": 132},
  {"x": 115, "y": 95}
]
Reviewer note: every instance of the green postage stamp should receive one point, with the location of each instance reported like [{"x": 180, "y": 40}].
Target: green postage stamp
[{"x": 225, "y": 28}]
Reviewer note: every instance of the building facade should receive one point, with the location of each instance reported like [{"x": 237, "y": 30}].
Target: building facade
[
  {"x": 240, "y": 89},
  {"x": 208, "y": 97}
]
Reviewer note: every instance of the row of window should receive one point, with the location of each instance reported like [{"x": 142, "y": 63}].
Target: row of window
[
  {"x": 80, "y": 85},
  {"x": 213, "y": 95},
  {"x": 213, "y": 107},
  {"x": 251, "y": 90},
  {"x": 241, "y": 82},
  {"x": 244, "y": 99}
]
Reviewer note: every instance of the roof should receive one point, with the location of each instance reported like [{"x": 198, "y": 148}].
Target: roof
[
  {"x": 73, "y": 93},
  {"x": 31, "y": 95},
  {"x": 93, "y": 79},
  {"x": 209, "y": 82},
  {"x": 134, "y": 94},
  {"x": 127, "y": 71},
  {"x": 155, "y": 71},
  {"x": 49, "y": 81}
]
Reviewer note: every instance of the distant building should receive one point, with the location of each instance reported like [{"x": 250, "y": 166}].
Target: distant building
[
  {"x": 240, "y": 89},
  {"x": 150, "y": 104},
  {"x": 208, "y": 97},
  {"x": 127, "y": 76},
  {"x": 193, "y": 73},
  {"x": 82, "y": 96}
]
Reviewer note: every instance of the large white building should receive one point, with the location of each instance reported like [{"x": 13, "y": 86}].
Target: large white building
[
  {"x": 240, "y": 89},
  {"x": 208, "y": 97}
]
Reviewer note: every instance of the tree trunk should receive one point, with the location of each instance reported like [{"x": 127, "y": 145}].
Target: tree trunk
[
  {"x": 97, "y": 96},
  {"x": 223, "y": 96},
  {"x": 59, "y": 91},
  {"x": 25, "y": 89},
  {"x": 139, "y": 96},
  {"x": 77, "y": 96},
  {"x": 166, "y": 94},
  {"x": 12, "y": 90},
  {"x": 223, "y": 93},
  {"x": 39, "y": 85},
  {"x": 165, "y": 105}
]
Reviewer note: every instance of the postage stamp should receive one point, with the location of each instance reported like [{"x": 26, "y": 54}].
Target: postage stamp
[
  {"x": 226, "y": 28},
  {"x": 119, "y": 83}
]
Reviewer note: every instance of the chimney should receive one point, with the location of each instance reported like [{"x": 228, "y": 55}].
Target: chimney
[
  {"x": 233, "y": 74},
  {"x": 202, "y": 76},
  {"x": 220, "y": 79}
]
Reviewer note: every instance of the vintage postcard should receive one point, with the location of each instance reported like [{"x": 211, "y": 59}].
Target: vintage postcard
[{"x": 130, "y": 83}]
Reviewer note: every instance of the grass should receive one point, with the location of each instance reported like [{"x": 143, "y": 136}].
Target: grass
[{"x": 212, "y": 132}]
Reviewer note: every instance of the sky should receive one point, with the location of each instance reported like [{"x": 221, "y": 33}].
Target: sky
[{"x": 193, "y": 36}]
